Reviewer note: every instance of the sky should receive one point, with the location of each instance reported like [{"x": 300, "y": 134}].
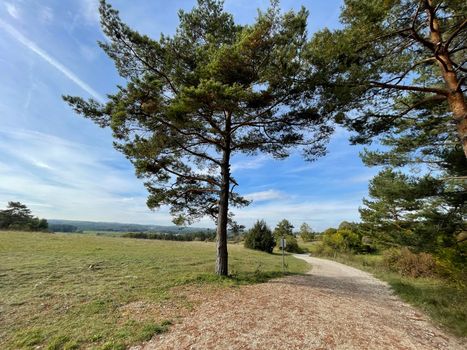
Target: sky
[{"x": 63, "y": 166}]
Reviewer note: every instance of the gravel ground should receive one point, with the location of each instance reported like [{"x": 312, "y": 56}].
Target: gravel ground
[{"x": 334, "y": 306}]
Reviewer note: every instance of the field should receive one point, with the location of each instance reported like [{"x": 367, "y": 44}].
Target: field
[{"x": 71, "y": 291}]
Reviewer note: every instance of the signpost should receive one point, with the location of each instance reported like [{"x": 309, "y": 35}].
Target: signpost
[{"x": 283, "y": 244}]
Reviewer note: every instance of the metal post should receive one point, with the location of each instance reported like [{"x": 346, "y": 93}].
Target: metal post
[{"x": 282, "y": 245}]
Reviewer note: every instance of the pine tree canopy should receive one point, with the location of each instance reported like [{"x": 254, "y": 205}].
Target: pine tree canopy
[{"x": 392, "y": 59}]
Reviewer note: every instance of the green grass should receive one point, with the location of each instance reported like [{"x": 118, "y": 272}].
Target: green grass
[
  {"x": 306, "y": 246},
  {"x": 66, "y": 291},
  {"x": 444, "y": 301}
]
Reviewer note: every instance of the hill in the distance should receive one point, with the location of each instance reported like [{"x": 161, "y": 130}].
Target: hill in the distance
[{"x": 70, "y": 225}]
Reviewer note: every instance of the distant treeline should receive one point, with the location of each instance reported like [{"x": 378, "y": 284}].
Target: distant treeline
[
  {"x": 62, "y": 228},
  {"x": 57, "y": 225},
  {"x": 192, "y": 236}
]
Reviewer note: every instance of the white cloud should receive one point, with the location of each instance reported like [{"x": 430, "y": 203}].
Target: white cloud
[
  {"x": 49, "y": 59},
  {"x": 67, "y": 180},
  {"x": 319, "y": 214},
  {"x": 42, "y": 165},
  {"x": 265, "y": 195},
  {"x": 254, "y": 163},
  {"x": 12, "y": 10}
]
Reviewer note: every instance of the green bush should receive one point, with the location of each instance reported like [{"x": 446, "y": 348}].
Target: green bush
[
  {"x": 451, "y": 263},
  {"x": 291, "y": 245},
  {"x": 260, "y": 237},
  {"x": 343, "y": 240}
]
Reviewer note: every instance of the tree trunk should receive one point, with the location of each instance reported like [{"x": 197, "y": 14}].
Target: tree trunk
[
  {"x": 459, "y": 109},
  {"x": 456, "y": 99},
  {"x": 222, "y": 265}
]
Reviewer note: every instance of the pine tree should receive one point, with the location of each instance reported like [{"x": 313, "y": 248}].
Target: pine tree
[
  {"x": 260, "y": 237},
  {"x": 284, "y": 229},
  {"x": 392, "y": 58},
  {"x": 195, "y": 99}
]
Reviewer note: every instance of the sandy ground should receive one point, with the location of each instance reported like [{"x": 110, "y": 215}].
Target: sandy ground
[{"x": 334, "y": 306}]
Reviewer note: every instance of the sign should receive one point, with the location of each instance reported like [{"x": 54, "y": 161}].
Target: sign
[{"x": 283, "y": 243}]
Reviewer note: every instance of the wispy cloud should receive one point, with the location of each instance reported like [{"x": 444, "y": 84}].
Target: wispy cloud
[
  {"x": 63, "y": 179},
  {"x": 319, "y": 214},
  {"x": 49, "y": 59},
  {"x": 90, "y": 11},
  {"x": 12, "y": 10},
  {"x": 254, "y": 163},
  {"x": 265, "y": 195}
]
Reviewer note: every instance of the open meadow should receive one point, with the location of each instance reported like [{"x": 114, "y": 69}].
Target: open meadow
[{"x": 71, "y": 291}]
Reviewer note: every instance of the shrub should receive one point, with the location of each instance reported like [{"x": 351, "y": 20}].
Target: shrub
[
  {"x": 260, "y": 237},
  {"x": 451, "y": 263},
  {"x": 322, "y": 249},
  {"x": 343, "y": 240},
  {"x": 410, "y": 264},
  {"x": 291, "y": 245}
]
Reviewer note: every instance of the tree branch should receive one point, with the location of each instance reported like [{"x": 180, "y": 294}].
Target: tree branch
[
  {"x": 410, "y": 88},
  {"x": 454, "y": 34}
]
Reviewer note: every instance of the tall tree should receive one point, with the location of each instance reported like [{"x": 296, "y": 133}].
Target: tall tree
[
  {"x": 426, "y": 210},
  {"x": 391, "y": 49},
  {"x": 195, "y": 99}
]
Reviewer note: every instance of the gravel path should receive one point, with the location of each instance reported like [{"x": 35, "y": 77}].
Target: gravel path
[{"x": 334, "y": 306}]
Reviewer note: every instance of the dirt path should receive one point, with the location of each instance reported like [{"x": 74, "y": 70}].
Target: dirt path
[{"x": 334, "y": 306}]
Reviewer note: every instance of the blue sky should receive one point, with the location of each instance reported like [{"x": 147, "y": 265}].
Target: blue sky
[{"x": 63, "y": 166}]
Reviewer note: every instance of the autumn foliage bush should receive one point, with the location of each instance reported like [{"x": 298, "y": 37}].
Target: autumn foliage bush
[{"x": 411, "y": 264}]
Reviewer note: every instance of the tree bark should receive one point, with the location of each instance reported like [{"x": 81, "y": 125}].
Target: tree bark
[
  {"x": 222, "y": 265},
  {"x": 456, "y": 98}
]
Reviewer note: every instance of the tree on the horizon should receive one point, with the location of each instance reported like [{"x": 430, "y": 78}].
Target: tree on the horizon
[
  {"x": 193, "y": 100},
  {"x": 17, "y": 216},
  {"x": 390, "y": 60},
  {"x": 283, "y": 228},
  {"x": 306, "y": 233}
]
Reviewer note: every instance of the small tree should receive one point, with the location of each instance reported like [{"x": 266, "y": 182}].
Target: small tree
[
  {"x": 284, "y": 229},
  {"x": 260, "y": 237},
  {"x": 306, "y": 233}
]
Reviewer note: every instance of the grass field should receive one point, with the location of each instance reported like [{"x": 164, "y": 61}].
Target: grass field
[
  {"x": 444, "y": 301},
  {"x": 71, "y": 291}
]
